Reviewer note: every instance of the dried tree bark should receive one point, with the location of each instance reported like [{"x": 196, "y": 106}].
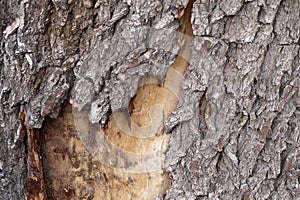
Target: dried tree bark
[{"x": 234, "y": 133}]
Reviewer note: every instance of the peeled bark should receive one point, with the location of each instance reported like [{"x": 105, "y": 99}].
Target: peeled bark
[{"x": 231, "y": 125}]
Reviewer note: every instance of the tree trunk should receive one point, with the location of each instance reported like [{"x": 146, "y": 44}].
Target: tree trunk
[{"x": 149, "y": 99}]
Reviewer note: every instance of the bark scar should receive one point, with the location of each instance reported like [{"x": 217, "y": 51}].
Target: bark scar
[{"x": 133, "y": 142}]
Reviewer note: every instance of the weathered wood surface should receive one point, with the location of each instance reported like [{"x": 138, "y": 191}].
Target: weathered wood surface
[{"x": 235, "y": 133}]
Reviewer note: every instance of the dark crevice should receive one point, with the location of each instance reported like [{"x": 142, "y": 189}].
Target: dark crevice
[
  {"x": 275, "y": 21},
  {"x": 202, "y": 113}
]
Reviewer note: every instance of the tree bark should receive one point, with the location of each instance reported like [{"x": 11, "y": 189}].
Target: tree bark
[{"x": 78, "y": 76}]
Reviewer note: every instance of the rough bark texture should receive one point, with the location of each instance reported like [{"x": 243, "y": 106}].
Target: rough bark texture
[{"x": 235, "y": 133}]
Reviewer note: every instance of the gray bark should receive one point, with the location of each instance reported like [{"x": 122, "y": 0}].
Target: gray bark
[{"x": 235, "y": 133}]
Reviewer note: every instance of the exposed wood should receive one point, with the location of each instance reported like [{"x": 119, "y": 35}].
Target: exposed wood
[
  {"x": 34, "y": 184},
  {"x": 150, "y": 106}
]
